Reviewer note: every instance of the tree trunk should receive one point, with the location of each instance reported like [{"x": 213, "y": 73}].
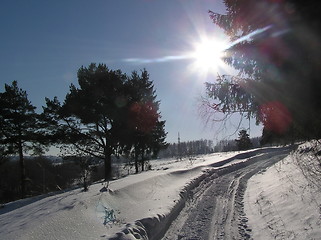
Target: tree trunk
[
  {"x": 107, "y": 163},
  {"x": 85, "y": 183},
  {"x": 136, "y": 160},
  {"x": 22, "y": 171},
  {"x": 143, "y": 161}
]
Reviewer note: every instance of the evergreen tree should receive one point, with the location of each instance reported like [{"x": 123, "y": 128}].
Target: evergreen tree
[
  {"x": 276, "y": 49},
  {"x": 108, "y": 114},
  {"x": 54, "y": 133},
  {"x": 146, "y": 131},
  {"x": 244, "y": 141},
  {"x": 91, "y": 117},
  {"x": 20, "y": 129}
]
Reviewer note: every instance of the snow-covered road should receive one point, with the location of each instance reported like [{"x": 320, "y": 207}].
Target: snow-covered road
[
  {"x": 216, "y": 196},
  {"x": 215, "y": 209}
]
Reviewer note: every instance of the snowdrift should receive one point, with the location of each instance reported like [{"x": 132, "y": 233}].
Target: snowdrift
[
  {"x": 155, "y": 226},
  {"x": 284, "y": 201},
  {"x": 138, "y": 206}
]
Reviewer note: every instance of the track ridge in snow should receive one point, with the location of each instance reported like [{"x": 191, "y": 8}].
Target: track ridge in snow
[
  {"x": 145, "y": 204},
  {"x": 155, "y": 227}
]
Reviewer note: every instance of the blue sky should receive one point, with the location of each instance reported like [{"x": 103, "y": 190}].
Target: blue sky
[{"x": 44, "y": 43}]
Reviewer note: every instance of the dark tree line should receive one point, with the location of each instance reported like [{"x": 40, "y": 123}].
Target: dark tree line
[
  {"x": 190, "y": 148},
  {"x": 108, "y": 114},
  {"x": 45, "y": 175},
  {"x": 243, "y": 142},
  {"x": 276, "y": 50},
  {"x": 184, "y": 149}
]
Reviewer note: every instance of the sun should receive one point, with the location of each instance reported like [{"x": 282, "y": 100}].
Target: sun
[{"x": 208, "y": 55}]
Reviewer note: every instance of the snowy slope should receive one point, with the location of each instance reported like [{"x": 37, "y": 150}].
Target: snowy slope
[
  {"x": 78, "y": 215},
  {"x": 152, "y": 198},
  {"x": 284, "y": 202}
]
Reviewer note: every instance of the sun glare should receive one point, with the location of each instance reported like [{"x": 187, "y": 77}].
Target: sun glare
[{"x": 208, "y": 55}]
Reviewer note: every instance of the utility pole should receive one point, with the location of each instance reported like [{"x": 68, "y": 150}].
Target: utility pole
[
  {"x": 179, "y": 148},
  {"x": 249, "y": 126}
]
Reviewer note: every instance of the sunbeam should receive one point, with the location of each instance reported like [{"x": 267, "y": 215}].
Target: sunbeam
[
  {"x": 208, "y": 53},
  {"x": 156, "y": 60}
]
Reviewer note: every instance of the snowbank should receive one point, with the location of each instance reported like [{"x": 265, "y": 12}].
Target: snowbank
[
  {"x": 146, "y": 197},
  {"x": 284, "y": 202},
  {"x": 138, "y": 206}
]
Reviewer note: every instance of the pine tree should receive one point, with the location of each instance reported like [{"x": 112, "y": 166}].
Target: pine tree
[
  {"x": 276, "y": 50},
  {"x": 244, "y": 141},
  {"x": 91, "y": 117},
  {"x": 146, "y": 130},
  {"x": 19, "y": 125}
]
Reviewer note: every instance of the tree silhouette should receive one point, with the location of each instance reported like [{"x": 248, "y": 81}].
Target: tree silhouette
[
  {"x": 108, "y": 114},
  {"x": 244, "y": 141},
  {"x": 92, "y": 115},
  {"x": 146, "y": 132},
  {"x": 20, "y": 127},
  {"x": 276, "y": 49}
]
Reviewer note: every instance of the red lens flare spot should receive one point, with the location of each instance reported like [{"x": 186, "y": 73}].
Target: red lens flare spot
[
  {"x": 275, "y": 117},
  {"x": 143, "y": 117}
]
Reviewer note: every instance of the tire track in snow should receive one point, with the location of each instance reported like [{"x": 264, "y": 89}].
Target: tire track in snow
[{"x": 215, "y": 208}]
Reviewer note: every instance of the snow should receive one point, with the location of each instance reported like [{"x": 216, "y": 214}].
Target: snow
[
  {"x": 281, "y": 203},
  {"x": 146, "y": 203},
  {"x": 74, "y": 214}
]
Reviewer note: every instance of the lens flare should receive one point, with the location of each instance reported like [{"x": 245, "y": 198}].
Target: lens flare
[
  {"x": 275, "y": 117},
  {"x": 208, "y": 55}
]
